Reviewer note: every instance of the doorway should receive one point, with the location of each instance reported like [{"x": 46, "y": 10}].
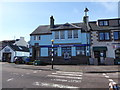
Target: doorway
[
  {"x": 6, "y": 57},
  {"x": 100, "y": 55}
]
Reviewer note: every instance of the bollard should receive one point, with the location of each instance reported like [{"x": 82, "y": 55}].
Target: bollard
[{"x": 113, "y": 86}]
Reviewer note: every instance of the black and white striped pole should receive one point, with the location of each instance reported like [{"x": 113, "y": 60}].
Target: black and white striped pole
[
  {"x": 113, "y": 86},
  {"x": 52, "y": 53}
]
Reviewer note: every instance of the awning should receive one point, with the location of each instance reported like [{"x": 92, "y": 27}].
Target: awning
[{"x": 100, "y": 48}]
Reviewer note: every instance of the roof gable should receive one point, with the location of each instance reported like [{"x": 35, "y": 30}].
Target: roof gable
[{"x": 66, "y": 26}]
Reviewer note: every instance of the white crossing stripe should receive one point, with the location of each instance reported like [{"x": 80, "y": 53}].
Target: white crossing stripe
[
  {"x": 64, "y": 77},
  {"x": 67, "y": 74},
  {"x": 53, "y": 85},
  {"x": 110, "y": 80},
  {"x": 104, "y": 74},
  {"x": 35, "y": 72},
  {"x": 10, "y": 79},
  {"x": 107, "y": 76},
  {"x": 64, "y": 80}
]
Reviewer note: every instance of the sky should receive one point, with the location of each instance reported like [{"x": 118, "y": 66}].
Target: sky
[{"x": 19, "y": 19}]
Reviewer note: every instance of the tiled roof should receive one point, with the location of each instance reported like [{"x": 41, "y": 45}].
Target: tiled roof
[
  {"x": 45, "y": 29},
  {"x": 19, "y": 48},
  {"x": 94, "y": 26}
]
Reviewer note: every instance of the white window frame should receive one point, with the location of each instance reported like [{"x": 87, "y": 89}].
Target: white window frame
[
  {"x": 69, "y": 34},
  {"x": 62, "y": 34},
  {"x": 75, "y": 33},
  {"x": 56, "y": 34}
]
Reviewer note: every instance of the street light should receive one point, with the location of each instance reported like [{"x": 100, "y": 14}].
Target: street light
[{"x": 52, "y": 53}]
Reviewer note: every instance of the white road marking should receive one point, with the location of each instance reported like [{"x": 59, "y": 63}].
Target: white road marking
[
  {"x": 104, "y": 74},
  {"x": 107, "y": 76},
  {"x": 110, "y": 80},
  {"x": 53, "y": 85},
  {"x": 10, "y": 79},
  {"x": 22, "y": 75},
  {"x": 64, "y": 77},
  {"x": 36, "y": 83},
  {"x": 67, "y": 74},
  {"x": 64, "y": 80},
  {"x": 35, "y": 72},
  {"x": 27, "y": 73}
]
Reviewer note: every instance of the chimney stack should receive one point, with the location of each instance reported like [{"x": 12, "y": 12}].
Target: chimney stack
[
  {"x": 86, "y": 18},
  {"x": 51, "y": 22}
]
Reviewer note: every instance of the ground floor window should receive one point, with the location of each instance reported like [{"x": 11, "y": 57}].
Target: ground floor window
[
  {"x": 117, "y": 53},
  {"x": 66, "y": 52},
  {"x": 80, "y": 50},
  {"x": 50, "y": 51}
]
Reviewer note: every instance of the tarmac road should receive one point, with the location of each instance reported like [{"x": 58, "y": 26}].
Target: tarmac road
[{"x": 18, "y": 76}]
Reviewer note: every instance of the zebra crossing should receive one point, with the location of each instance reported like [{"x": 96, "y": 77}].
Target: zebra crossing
[
  {"x": 65, "y": 77},
  {"x": 62, "y": 79},
  {"x": 71, "y": 77}
]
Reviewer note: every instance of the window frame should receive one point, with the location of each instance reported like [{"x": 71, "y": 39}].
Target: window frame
[
  {"x": 81, "y": 49},
  {"x": 103, "y": 23},
  {"x": 75, "y": 35},
  {"x": 104, "y": 36},
  {"x": 62, "y": 34},
  {"x": 118, "y": 32},
  {"x": 37, "y": 37},
  {"x": 69, "y": 34},
  {"x": 57, "y": 35}
]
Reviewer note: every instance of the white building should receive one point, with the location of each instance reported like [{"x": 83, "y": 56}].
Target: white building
[
  {"x": 12, "y": 48},
  {"x": 10, "y": 51}
]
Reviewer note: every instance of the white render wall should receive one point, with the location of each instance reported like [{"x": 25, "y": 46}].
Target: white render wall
[
  {"x": 11, "y": 51},
  {"x": 21, "y": 42},
  {"x": 19, "y": 53}
]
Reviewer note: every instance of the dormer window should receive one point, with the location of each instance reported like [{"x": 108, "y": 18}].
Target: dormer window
[{"x": 103, "y": 23}]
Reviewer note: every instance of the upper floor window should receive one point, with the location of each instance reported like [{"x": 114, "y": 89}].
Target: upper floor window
[
  {"x": 37, "y": 37},
  {"x": 69, "y": 34},
  {"x": 75, "y": 33},
  {"x": 56, "y": 34},
  {"x": 103, "y": 23},
  {"x": 117, "y": 35},
  {"x": 104, "y": 36},
  {"x": 62, "y": 34}
]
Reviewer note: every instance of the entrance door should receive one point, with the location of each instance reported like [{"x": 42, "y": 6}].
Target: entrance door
[
  {"x": 97, "y": 55},
  {"x": 100, "y": 55},
  {"x": 6, "y": 57},
  {"x": 36, "y": 53}
]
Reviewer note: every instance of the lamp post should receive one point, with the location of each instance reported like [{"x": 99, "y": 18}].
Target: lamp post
[{"x": 52, "y": 53}]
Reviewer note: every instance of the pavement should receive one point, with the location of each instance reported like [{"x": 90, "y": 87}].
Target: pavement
[{"x": 73, "y": 68}]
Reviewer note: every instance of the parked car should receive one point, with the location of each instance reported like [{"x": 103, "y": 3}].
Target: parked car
[
  {"x": 39, "y": 62},
  {"x": 20, "y": 59}
]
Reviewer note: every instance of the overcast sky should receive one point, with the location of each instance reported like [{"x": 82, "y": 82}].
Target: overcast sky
[{"x": 21, "y": 18}]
